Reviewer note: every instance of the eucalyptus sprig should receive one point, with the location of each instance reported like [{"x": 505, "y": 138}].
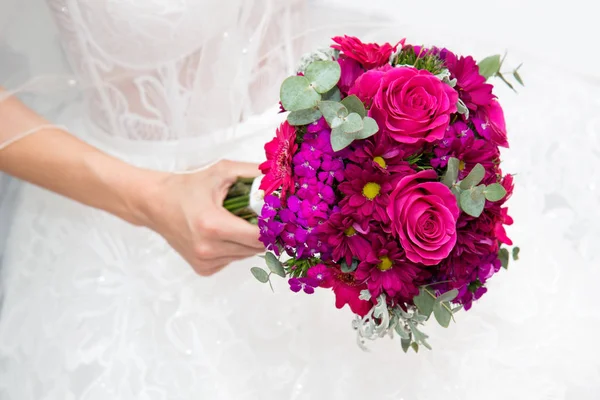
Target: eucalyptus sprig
[
  {"x": 471, "y": 196},
  {"x": 491, "y": 66},
  {"x": 315, "y": 95},
  {"x": 274, "y": 265}
]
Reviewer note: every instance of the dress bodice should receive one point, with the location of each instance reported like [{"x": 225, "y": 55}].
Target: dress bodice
[{"x": 173, "y": 69}]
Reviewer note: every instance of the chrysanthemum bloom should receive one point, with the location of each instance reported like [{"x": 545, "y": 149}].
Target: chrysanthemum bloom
[
  {"x": 381, "y": 153},
  {"x": 278, "y": 167},
  {"x": 385, "y": 269},
  {"x": 366, "y": 194},
  {"x": 346, "y": 242}
]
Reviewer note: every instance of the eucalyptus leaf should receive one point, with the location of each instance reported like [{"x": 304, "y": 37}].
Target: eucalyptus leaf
[
  {"x": 451, "y": 174},
  {"x": 457, "y": 309},
  {"x": 332, "y": 95},
  {"x": 336, "y": 123},
  {"x": 415, "y": 346},
  {"x": 489, "y": 66},
  {"x": 442, "y": 314},
  {"x": 494, "y": 192},
  {"x": 503, "y": 79},
  {"x": 448, "y": 296},
  {"x": 332, "y": 110},
  {"x": 472, "y": 201},
  {"x": 518, "y": 77},
  {"x": 304, "y": 117},
  {"x": 274, "y": 264},
  {"x": 323, "y": 75},
  {"x": 260, "y": 274},
  {"x": 370, "y": 128},
  {"x": 349, "y": 268},
  {"x": 353, "y": 123},
  {"x": 297, "y": 94},
  {"x": 340, "y": 140},
  {"x": 405, "y": 344},
  {"x": 424, "y": 302},
  {"x": 503, "y": 257},
  {"x": 515, "y": 253},
  {"x": 474, "y": 178},
  {"x": 354, "y": 105}
]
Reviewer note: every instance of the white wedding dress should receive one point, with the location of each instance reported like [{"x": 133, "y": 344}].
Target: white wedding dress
[{"x": 96, "y": 309}]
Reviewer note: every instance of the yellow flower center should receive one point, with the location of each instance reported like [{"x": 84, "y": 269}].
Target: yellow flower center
[
  {"x": 371, "y": 190},
  {"x": 350, "y": 231},
  {"x": 461, "y": 165},
  {"x": 385, "y": 263},
  {"x": 380, "y": 161}
]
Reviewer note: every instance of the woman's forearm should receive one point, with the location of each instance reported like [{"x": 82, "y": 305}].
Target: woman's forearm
[{"x": 58, "y": 161}]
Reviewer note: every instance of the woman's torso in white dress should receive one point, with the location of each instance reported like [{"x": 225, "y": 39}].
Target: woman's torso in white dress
[{"x": 97, "y": 309}]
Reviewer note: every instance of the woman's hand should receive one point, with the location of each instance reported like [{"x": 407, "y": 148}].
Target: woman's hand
[{"x": 187, "y": 210}]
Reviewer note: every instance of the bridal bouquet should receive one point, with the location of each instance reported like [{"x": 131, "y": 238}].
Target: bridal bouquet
[{"x": 384, "y": 184}]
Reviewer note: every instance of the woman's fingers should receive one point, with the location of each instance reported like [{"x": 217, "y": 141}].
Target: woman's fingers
[{"x": 227, "y": 227}]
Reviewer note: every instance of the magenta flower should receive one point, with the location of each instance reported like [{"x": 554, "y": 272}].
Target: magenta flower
[
  {"x": 424, "y": 214},
  {"x": 340, "y": 232},
  {"x": 489, "y": 122},
  {"x": 470, "y": 84},
  {"x": 381, "y": 153},
  {"x": 347, "y": 291},
  {"x": 319, "y": 273},
  {"x": 351, "y": 70},
  {"x": 385, "y": 269},
  {"x": 307, "y": 284},
  {"x": 369, "y": 55},
  {"x": 278, "y": 167},
  {"x": 366, "y": 194},
  {"x": 413, "y": 106}
]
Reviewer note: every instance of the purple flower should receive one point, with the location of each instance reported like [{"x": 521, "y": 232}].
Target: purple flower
[
  {"x": 305, "y": 165},
  {"x": 351, "y": 70},
  {"x": 320, "y": 273},
  {"x": 342, "y": 234},
  {"x": 306, "y": 284},
  {"x": 307, "y": 187},
  {"x": 332, "y": 169}
]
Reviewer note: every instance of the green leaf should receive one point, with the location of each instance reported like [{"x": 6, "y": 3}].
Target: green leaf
[
  {"x": 354, "y": 105},
  {"x": 369, "y": 128},
  {"x": 402, "y": 333},
  {"x": 333, "y": 110},
  {"x": 340, "y": 140},
  {"x": 499, "y": 75},
  {"x": 275, "y": 265},
  {"x": 424, "y": 302},
  {"x": 462, "y": 108},
  {"x": 448, "y": 296},
  {"x": 489, "y": 66},
  {"x": 518, "y": 77},
  {"x": 349, "y": 268},
  {"x": 442, "y": 314},
  {"x": 323, "y": 75},
  {"x": 503, "y": 257},
  {"x": 457, "y": 309},
  {"x": 297, "y": 94},
  {"x": 419, "y": 336},
  {"x": 451, "y": 174},
  {"x": 515, "y": 253},
  {"x": 474, "y": 177},
  {"x": 472, "y": 201},
  {"x": 494, "y": 192},
  {"x": 304, "y": 117},
  {"x": 332, "y": 95},
  {"x": 260, "y": 274},
  {"x": 405, "y": 344},
  {"x": 415, "y": 346},
  {"x": 352, "y": 124}
]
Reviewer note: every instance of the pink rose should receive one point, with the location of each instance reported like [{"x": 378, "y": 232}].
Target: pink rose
[
  {"x": 413, "y": 105},
  {"x": 424, "y": 214},
  {"x": 369, "y": 55},
  {"x": 367, "y": 85}
]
